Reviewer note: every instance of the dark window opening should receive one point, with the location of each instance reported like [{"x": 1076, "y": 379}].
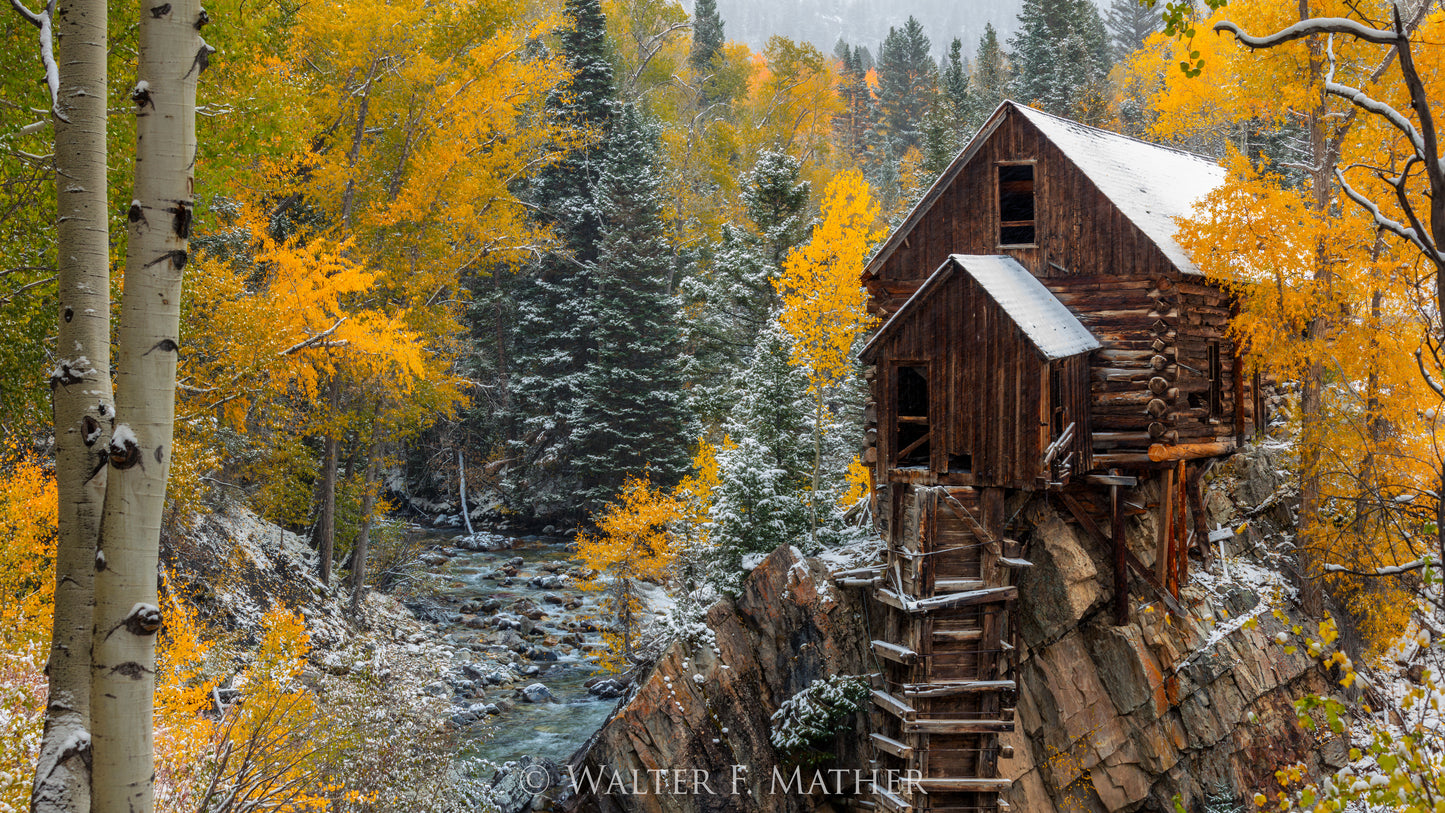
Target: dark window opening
[
  {"x": 1216, "y": 382},
  {"x": 1198, "y": 400},
  {"x": 912, "y": 439},
  {"x": 1016, "y": 205},
  {"x": 960, "y": 463}
]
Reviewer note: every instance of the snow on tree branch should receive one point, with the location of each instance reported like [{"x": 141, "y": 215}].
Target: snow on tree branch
[
  {"x": 1310, "y": 28},
  {"x": 1393, "y": 570},
  {"x": 43, "y": 22}
]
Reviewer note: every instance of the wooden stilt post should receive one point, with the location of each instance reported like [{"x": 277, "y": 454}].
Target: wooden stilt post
[
  {"x": 1181, "y": 577},
  {"x": 1121, "y": 561},
  {"x": 1164, "y": 528}
]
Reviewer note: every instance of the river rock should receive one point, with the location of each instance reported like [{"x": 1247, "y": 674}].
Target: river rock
[
  {"x": 553, "y": 598},
  {"x": 607, "y": 689},
  {"x": 437, "y": 689},
  {"x": 476, "y": 622},
  {"x": 537, "y": 693},
  {"x": 489, "y": 605},
  {"x": 517, "y": 784}
]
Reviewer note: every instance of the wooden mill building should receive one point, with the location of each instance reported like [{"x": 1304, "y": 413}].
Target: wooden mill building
[{"x": 1043, "y": 332}]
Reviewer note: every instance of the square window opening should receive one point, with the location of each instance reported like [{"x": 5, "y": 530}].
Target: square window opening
[
  {"x": 913, "y": 425},
  {"x": 1016, "y": 224}
]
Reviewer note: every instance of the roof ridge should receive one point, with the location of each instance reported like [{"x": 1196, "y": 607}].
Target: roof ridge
[{"x": 1070, "y": 122}]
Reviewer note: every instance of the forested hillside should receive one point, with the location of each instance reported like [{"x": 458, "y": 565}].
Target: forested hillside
[{"x": 593, "y": 266}]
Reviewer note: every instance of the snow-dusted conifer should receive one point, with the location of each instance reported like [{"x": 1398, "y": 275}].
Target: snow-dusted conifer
[
  {"x": 1060, "y": 58},
  {"x": 630, "y": 411},
  {"x": 551, "y": 338},
  {"x": 759, "y": 502}
]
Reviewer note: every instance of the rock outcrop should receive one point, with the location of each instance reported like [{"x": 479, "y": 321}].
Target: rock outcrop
[
  {"x": 708, "y": 708},
  {"x": 1109, "y": 718}
]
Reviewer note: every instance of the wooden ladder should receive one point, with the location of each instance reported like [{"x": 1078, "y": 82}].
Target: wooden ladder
[{"x": 947, "y": 653}]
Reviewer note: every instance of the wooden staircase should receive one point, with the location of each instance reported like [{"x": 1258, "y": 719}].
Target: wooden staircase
[{"x": 948, "y": 651}]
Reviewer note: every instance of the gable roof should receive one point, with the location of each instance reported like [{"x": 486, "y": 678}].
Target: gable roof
[
  {"x": 1151, "y": 185},
  {"x": 1047, "y": 323}
]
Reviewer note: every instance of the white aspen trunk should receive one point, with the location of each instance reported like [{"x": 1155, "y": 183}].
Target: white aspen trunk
[
  {"x": 127, "y": 615},
  {"x": 81, "y": 392},
  {"x": 363, "y": 537}
]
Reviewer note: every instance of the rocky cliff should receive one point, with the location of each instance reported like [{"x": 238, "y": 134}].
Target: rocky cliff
[{"x": 1110, "y": 718}]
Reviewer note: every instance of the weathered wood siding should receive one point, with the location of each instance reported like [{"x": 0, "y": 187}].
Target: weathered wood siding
[
  {"x": 1110, "y": 275},
  {"x": 989, "y": 393}
]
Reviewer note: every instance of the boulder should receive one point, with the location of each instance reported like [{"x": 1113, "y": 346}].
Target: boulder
[{"x": 537, "y": 693}]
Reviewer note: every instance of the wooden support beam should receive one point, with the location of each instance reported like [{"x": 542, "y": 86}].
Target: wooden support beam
[
  {"x": 1164, "y": 528},
  {"x": 1011, "y": 562},
  {"x": 894, "y": 706},
  {"x": 1135, "y": 565},
  {"x": 895, "y": 653},
  {"x": 1121, "y": 567},
  {"x": 1160, "y": 453},
  {"x": 891, "y": 746},
  {"x": 1181, "y": 534},
  {"x": 858, "y": 572},
  {"x": 858, "y": 582}
]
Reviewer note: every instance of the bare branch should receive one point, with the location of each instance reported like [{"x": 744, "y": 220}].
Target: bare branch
[
  {"x": 313, "y": 341},
  {"x": 5, "y": 300},
  {"x": 1393, "y": 226}
]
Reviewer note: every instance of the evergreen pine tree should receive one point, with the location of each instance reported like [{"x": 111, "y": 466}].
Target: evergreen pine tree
[
  {"x": 707, "y": 43},
  {"x": 955, "y": 81},
  {"x": 990, "y": 77},
  {"x": 551, "y": 339},
  {"x": 759, "y": 502},
  {"x": 630, "y": 411},
  {"x": 1060, "y": 57},
  {"x": 907, "y": 78},
  {"x": 730, "y": 299},
  {"x": 940, "y": 140},
  {"x": 1129, "y": 22},
  {"x": 856, "y": 119}
]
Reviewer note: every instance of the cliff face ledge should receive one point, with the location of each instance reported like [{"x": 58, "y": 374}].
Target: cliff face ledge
[
  {"x": 708, "y": 708},
  {"x": 1122, "y": 718}
]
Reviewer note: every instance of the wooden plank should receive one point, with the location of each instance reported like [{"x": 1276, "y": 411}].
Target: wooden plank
[
  {"x": 891, "y": 746},
  {"x": 962, "y": 785},
  {"x": 958, "y": 636},
  {"x": 890, "y": 800},
  {"x": 957, "y": 585},
  {"x": 1111, "y": 479},
  {"x": 953, "y": 689},
  {"x": 894, "y": 706},
  {"x": 970, "y": 599},
  {"x": 895, "y": 653},
  {"x": 1016, "y": 564},
  {"x": 958, "y": 726}
]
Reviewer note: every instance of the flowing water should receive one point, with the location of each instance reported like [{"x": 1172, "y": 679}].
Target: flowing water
[{"x": 542, "y": 730}]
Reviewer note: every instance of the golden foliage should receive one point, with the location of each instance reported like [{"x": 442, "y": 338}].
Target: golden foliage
[{"x": 824, "y": 302}]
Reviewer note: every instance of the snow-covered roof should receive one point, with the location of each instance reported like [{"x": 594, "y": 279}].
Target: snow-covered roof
[
  {"x": 1150, "y": 184},
  {"x": 1048, "y": 324}
]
